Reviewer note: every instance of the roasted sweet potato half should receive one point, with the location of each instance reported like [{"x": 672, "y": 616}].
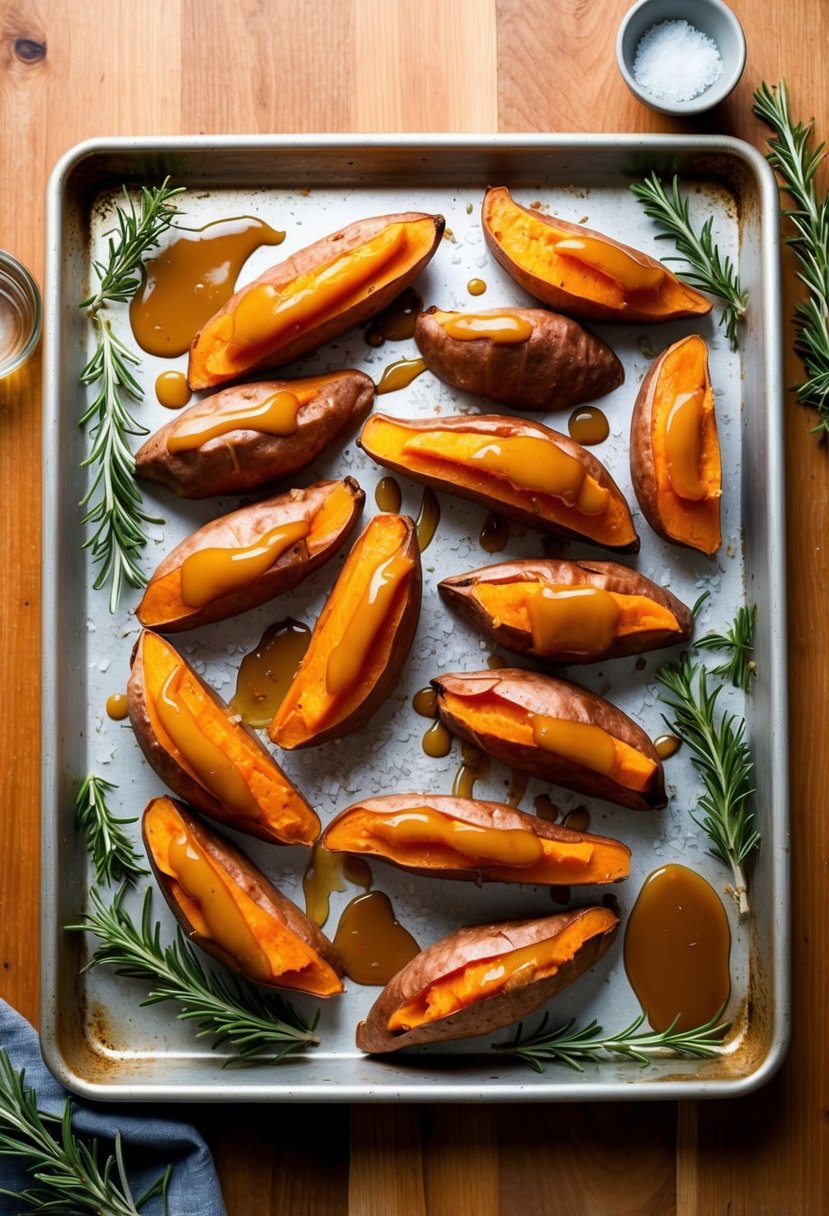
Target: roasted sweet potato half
[
  {"x": 252, "y": 435},
  {"x": 446, "y": 837},
  {"x": 526, "y": 358},
  {"x": 205, "y": 755},
  {"x": 250, "y": 556},
  {"x": 478, "y": 980},
  {"x": 520, "y": 468},
  {"x": 554, "y": 730},
  {"x": 224, "y": 904},
  {"x": 674, "y": 449},
  {"x": 578, "y": 271},
  {"x": 360, "y": 641},
  {"x": 313, "y": 296},
  {"x": 569, "y": 612}
]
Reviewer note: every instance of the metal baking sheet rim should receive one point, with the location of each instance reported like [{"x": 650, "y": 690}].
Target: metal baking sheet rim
[{"x": 56, "y": 816}]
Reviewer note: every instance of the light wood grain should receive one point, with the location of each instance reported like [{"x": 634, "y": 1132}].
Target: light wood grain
[{"x": 121, "y": 66}]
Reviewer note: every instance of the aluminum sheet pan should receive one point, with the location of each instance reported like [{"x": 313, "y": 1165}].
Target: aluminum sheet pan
[{"x": 96, "y": 1037}]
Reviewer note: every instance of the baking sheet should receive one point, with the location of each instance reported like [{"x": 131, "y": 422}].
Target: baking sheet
[{"x": 96, "y": 1037}]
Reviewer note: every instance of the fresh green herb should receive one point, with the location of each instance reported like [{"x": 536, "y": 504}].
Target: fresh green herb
[
  {"x": 797, "y": 165},
  {"x": 228, "y": 1008},
  {"x": 113, "y": 502},
  {"x": 111, "y": 850},
  {"x": 723, "y": 761},
  {"x": 70, "y": 1179},
  {"x": 706, "y": 270},
  {"x": 564, "y": 1045},
  {"x": 701, "y": 599},
  {"x": 738, "y": 642}
]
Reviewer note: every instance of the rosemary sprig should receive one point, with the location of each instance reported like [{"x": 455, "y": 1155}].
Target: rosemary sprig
[
  {"x": 114, "y": 502},
  {"x": 738, "y": 643},
  {"x": 706, "y": 269},
  {"x": 723, "y": 761},
  {"x": 71, "y": 1180},
  {"x": 566, "y": 1045},
  {"x": 111, "y": 850},
  {"x": 790, "y": 155},
  {"x": 228, "y": 1008}
]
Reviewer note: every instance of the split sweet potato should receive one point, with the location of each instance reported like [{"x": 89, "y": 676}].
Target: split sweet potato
[
  {"x": 248, "y": 436},
  {"x": 360, "y": 641},
  {"x": 226, "y": 905},
  {"x": 526, "y": 358},
  {"x": 519, "y": 468},
  {"x": 446, "y": 837},
  {"x": 246, "y": 558},
  {"x": 205, "y": 754},
  {"x": 674, "y": 449},
  {"x": 569, "y": 612},
  {"x": 480, "y": 979},
  {"x": 582, "y": 272},
  {"x": 313, "y": 296},
  {"x": 554, "y": 730}
]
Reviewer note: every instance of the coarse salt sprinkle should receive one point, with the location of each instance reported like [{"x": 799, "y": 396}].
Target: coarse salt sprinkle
[{"x": 674, "y": 61}]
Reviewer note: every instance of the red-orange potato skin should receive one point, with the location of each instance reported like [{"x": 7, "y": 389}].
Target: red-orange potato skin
[{"x": 483, "y": 1017}]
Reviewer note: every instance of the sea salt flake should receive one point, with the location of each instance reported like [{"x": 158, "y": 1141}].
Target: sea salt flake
[{"x": 674, "y": 61}]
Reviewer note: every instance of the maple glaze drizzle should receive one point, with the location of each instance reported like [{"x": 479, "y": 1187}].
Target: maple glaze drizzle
[
  {"x": 399, "y": 375},
  {"x": 473, "y": 767},
  {"x": 423, "y": 825},
  {"x": 428, "y": 518},
  {"x": 387, "y": 495},
  {"x": 544, "y": 808},
  {"x": 425, "y": 702},
  {"x": 667, "y": 746},
  {"x": 172, "y": 390},
  {"x": 437, "y": 741},
  {"x": 517, "y": 787},
  {"x": 210, "y": 573},
  {"x": 683, "y": 445},
  {"x": 578, "y": 820},
  {"x": 588, "y": 425},
  {"x": 494, "y": 533},
  {"x": 323, "y": 875},
  {"x": 191, "y": 280},
  {"x": 677, "y": 946},
  {"x": 580, "y": 742},
  {"x": 528, "y": 463},
  {"x": 117, "y": 706},
  {"x": 371, "y": 942},
  {"x": 476, "y": 287},
  {"x": 346, "y": 661},
  {"x": 504, "y": 328},
  {"x": 579, "y": 619},
  {"x": 397, "y": 322},
  {"x": 494, "y": 661},
  {"x": 266, "y": 672},
  {"x": 276, "y": 415}
]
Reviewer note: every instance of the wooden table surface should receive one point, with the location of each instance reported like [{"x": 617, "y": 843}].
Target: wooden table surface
[{"x": 70, "y": 69}]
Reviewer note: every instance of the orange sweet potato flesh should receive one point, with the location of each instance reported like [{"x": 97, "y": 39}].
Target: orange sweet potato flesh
[
  {"x": 681, "y": 369},
  {"x": 243, "y": 459},
  {"x": 313, "y": 710},
  {"x": 446, "y": 992},
  {"x": 496, "y": 599},
  {"x": 248, "y": 926},
  {"x": 277, "y": 813},
  {"x": 497, "y": 711},
  {"x": 568, "y": 858},
  {"x": 330, "y": 509},
  {"x": 523, "y": 241},
  {"x": 313, "y": 296},
  {"x": 433, "y": 451}
]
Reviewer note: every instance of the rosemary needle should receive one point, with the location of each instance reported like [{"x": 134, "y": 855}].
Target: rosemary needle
[
  {"x": 706, "y": 269},
  {"x": 738, "y": 645},
  {"x": 111, "y": 850}
]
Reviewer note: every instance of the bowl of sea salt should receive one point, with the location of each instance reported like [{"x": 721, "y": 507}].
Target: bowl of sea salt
[{"x": 680, "y": 56}]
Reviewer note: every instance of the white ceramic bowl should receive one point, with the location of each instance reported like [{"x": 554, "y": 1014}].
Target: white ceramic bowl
[{"x": 711, "y": 17}]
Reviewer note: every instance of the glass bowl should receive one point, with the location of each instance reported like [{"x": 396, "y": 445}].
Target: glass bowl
[{"x": 20, "y": 314}]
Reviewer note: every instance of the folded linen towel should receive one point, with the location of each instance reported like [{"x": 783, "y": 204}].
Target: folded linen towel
[{"x": 150, "y": 1141}]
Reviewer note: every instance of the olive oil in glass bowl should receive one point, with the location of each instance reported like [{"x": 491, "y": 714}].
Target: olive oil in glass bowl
[{"x": 20, "y": 314}]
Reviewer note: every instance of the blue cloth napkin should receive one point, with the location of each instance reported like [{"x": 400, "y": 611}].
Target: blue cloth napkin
[{"x": 150, "y": 1143}]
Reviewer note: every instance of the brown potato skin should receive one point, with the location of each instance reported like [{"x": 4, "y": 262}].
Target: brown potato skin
[
  {"x": 468, "y": 810},
  {"x": 178, "y": 779},
  {"x": 308, "y": 259},
  {"x": 560, "y": 365},
  {"x": 558, "y": 298},
  {"x": 501, "y": 426},
  {"x": 466, "y": 946},
  {"x": 542, "y": 694},
  {"x": 609, "y": 576},
  {"x": 243, "y": 527},
  {"x": 252, "y": 881},
  {"x": 243, "y": 460}
]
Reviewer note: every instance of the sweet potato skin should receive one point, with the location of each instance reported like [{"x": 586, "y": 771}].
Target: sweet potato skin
[
  {"x": 242, "y": 528},
  {"x": 560, "y": 365},
  {"x": 466, "y": 946},
  {"x": 481, "y": 814},
  {"x": 250, "y": 879},
  {"x": 643, "y": 469},
  {"x": 609, "y": 576},
  {"x": 541, "y": 694},
  {"x": 631, "y": 307},
  {"x": 499, "y": 426},
  {"x": 307, "y": 260},
  {"x": 176, "y": 777},
  {"x": 244, "y": 459}
]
